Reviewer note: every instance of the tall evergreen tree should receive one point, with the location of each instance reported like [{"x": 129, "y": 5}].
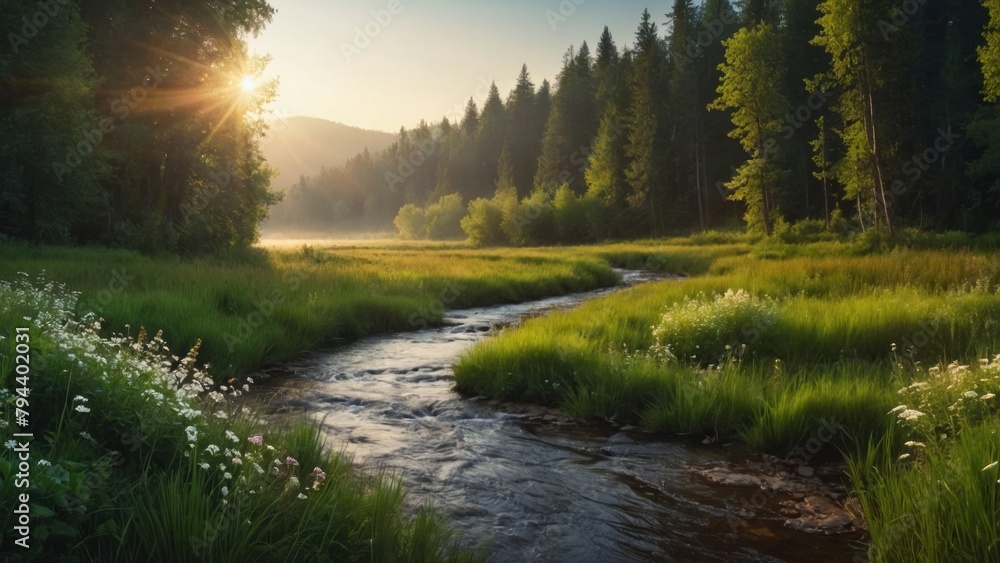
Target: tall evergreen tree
[
  {"x": 524, "y": 136},
  {"x": 490, "y": 140},
  {"x": 647, "y": 138},
  {"x": 571, "y": 126}
]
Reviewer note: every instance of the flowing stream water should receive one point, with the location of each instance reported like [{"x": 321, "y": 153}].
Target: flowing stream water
[{"x": 530, "y": 485}]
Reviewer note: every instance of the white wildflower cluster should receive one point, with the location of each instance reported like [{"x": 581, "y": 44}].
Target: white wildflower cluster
[
  {"x": 166, "y": 380},
  {"x": 948, "y": 397},
  {"x": 714, "y": 328},
  {"x": 241, "y": 471}
]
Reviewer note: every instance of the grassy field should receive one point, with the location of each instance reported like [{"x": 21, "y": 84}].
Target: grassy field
[
  {"x": 265, "y": 306},
  {"x": 761, "y": 342},
  {"x": 768, "y": 344},
  {"x": 140, "y": 452}
]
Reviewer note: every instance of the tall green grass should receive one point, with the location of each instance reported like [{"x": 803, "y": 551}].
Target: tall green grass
[
  {"x": 138, "y": 455},
  {"x": 775, "y": 344},
  {"x": 263, "y": 307}
]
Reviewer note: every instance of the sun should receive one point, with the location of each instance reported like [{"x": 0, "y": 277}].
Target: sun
[{"x": 248, "y": 84}]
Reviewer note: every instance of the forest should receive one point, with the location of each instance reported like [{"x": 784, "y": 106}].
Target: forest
[
  {"x": 835, "y": 115},
  {"x": 129, "y": 124}
]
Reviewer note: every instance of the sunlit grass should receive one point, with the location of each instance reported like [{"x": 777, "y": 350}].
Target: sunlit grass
[{"x": 810, "y": 340}]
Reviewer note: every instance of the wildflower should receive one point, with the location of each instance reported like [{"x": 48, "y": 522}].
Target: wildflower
[
  {"x": 237, "y": 461},
  {"x": 10, "y": 444},
  {"x": 227, "y": 475},
  {"x": 204, "y": 465},
  {"x": 86, "y": 436},
  {"x": 80, "y": 398},
  {"x": 987, "y": 397},
  {"x": 221, "y": 414},
  {"x": 250, "y": 380},
  {"x": 971, "y": 394},
  {"x": 45, "y": 462},
  {"x": 256, "y": 440},
  {"x": 904, "y": 456},
  {"x": 318, "y": 473},
  {"x": 222, "y": 467},
  {"x": 258, "y": 468},
  {"x": 900, "y": 408},
  {"x": 192, "y": 433},
  {"x": 302, "y": 496},
  {"x": 212, "y": 449},
  {"x": 912, "y": 444},
  {"x": 225, "y": 491},
  {"x": 232, "y": 436},
  {"x": 291, "y": 461},
  {"x": 82, "y": 408},
  {"x": 991, "y": 466},
  {"x": 910, "y": 415}
]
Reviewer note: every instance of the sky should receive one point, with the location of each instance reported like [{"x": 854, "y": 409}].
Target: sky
[{"x": 383, "y": 64}]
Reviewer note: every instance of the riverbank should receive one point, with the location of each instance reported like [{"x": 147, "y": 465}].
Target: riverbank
[{"x": 890, "y": 356}]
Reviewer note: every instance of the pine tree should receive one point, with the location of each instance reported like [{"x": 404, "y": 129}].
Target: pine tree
[
  {"x": 523, "y": 134},
  {"x": 571, "y": 126},
  {"x": 647, "y": 138},
  {"x": 490, "y": 140}
]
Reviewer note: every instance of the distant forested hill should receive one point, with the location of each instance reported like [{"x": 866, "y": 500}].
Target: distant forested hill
[{"x": 300, "y": 146}]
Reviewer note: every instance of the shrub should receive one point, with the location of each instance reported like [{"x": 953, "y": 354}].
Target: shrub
[
  {"x": 444, "y": 217},
  {"x": 707, "y": 331},
  {"x": 411, "y": 222},
  {"x": 571, "y": 215},
  {"x": 482, "y": 225},
  {"x": 531, "y": 221}
]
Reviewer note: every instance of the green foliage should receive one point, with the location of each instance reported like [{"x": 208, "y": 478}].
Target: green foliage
[
  {"x": 411, "y": 222},
  {"x": 51, "y": 159},
  {"x": 751, "y": 80},
  {"x": 571, "y": 213},
  {"x": 709, "y": 331},
  {"x": 989, "y": 54},
  {"x": 482, "y": 224},
  {"x": 138, "y": 456},
  {"x": 443, "y": 218}
]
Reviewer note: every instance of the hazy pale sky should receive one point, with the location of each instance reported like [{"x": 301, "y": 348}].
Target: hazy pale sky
[{"x": 355, "y": 62}]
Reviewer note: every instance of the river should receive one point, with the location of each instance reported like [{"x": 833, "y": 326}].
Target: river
[{"x": 532, "y": 485}]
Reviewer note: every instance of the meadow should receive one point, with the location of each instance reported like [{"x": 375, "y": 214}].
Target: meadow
[
  {"x": 761, "y": 342},
  {"x": 768, "y": 344}
]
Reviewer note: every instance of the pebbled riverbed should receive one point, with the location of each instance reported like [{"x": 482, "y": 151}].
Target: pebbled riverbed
[{"x": 532, "y": 485}]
